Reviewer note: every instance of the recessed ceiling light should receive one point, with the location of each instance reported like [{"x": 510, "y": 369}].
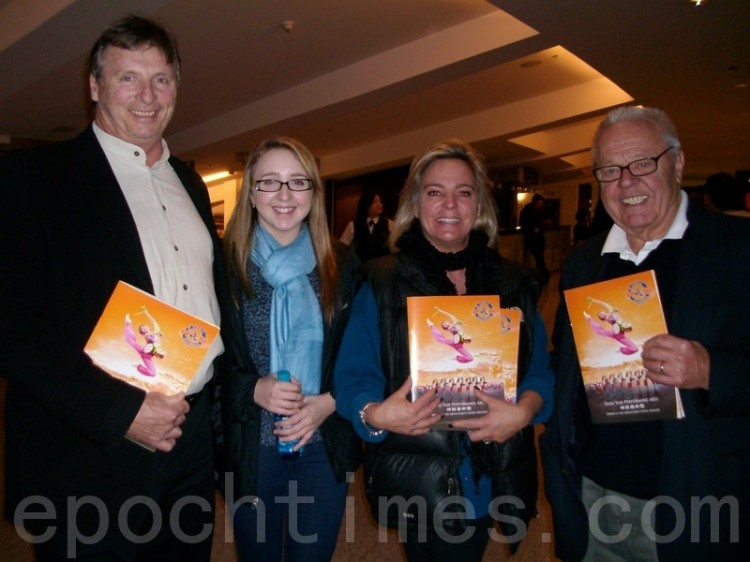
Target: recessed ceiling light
[{"x": 698, "y": 2}]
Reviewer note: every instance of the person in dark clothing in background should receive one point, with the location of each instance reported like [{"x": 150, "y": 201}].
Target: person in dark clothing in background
[
  {"x": 369, "y": 231},
  {"x": 582, "y": 228},
  {"x": 726, "y": 194},
  {"x": 532, "y": 224},
  {"x": 600, "y": 219}
]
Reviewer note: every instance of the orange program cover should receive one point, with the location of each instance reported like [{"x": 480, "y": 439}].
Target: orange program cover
[
  {"x": 149, "y": 343},
  {"x": 611, "y": 320},
  {"x": 457, "y": 343}
]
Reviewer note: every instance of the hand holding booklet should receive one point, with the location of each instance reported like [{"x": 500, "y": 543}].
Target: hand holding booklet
[
  {"x": 611, "y": 320},
  {"x": 148, "y": 343},
  {"x": 458, "y": 344}
]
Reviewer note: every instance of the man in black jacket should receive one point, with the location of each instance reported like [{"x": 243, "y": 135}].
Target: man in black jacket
[
  {"x": 96, "y": 467},
  {"x": 673, "y": 489},
  {"x": 532, "y": 223}
]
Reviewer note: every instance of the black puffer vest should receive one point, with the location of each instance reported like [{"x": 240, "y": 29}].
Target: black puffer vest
[{"x": 425, "y": 468}]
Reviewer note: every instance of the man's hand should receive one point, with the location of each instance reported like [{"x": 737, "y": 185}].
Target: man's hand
[
  {"x": 676, "y": 362},
  {"x": 157, "y": 424}
]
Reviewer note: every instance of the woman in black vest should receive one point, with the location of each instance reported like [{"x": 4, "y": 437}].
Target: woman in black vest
[
  {"x": 369, "y": 231},
  {"x": 443, "y": 489}
]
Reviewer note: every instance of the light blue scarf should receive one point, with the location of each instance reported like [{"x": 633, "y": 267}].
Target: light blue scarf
[{"x": 296, "y": 319}]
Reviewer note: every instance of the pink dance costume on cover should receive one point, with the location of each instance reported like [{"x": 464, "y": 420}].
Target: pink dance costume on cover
[
  {"x": 458, "y": 337},
  {"x": 617, "y": 327},
  {"x": 149, "y": 350}
]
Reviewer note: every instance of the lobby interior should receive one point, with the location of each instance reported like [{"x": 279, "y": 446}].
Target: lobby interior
[{"x": 366, "y": 85}]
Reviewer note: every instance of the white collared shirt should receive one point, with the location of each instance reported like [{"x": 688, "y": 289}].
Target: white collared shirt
[
  {"x": 617, "y": 240},
  {"x": 175, "y": 242}
]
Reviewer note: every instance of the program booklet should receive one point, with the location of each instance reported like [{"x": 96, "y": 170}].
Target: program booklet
[
  {"x": 148, "y": 343},
  {"x": 459, "y": 343},
  {"x": 611, "y": 320}
]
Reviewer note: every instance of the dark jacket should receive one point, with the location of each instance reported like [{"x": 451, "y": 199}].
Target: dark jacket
[
  {"x": 705, "y": 455},
  {"x": 67, "y": 236},
  {"x": 427, "y": 466},
  {"x": 242, "y": 416}
]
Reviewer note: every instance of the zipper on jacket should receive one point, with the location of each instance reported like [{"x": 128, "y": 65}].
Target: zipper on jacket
[{"x": 452, "y": 488}]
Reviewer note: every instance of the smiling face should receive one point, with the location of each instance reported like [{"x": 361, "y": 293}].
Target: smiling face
[
  {"x": 281, "y": 212},
  {"x": 643, "y": 206},
  {"x": 136, "y": 96},
  {"x": 448, "y": 204}
]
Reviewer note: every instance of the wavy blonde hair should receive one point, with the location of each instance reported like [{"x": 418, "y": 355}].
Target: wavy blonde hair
[
  {"x": 240, "y": 230},
  {"x": 409, "y": 198}
]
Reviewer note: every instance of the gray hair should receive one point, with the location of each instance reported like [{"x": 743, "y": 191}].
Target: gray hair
[{"x": 656, "y": 118}]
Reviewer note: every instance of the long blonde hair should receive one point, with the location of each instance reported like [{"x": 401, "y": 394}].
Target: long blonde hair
[
  {"x": 409, "y": 197},
  {"x": 238, "y": 236}
]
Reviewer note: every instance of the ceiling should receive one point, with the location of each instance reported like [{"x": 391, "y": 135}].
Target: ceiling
[{"x": 366, "y": 85}]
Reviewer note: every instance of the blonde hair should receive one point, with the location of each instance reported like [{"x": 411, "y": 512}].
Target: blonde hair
[
  {"x": 238, "y": 236},
  {"x": 410, "y": 194}
]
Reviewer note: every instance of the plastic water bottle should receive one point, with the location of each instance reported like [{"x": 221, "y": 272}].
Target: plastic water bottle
[{"x": 285, "y": 448}]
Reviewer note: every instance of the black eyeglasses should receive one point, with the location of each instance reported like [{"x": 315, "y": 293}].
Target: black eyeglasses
[
  {"x": 642, "y": 167},
  {"x": 297, "y": 184}
]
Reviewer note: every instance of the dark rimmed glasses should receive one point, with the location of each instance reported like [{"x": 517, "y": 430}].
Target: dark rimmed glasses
[
  {"x": 297, "y": 184},
  {"x": 642, "y": 167}
]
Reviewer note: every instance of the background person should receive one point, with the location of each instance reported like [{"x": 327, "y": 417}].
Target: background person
[
  {"x": 444, "y": 225},
  {"x": 533, "y": 223},
  {"x": 703, "y": 270},
  {"x": 582, "y": 227},
  {"x": 600, "y": 219},
  {"x": 726, "y": 194},
  {"x": 77, "y": 217},
  {"x": 292, "y": 286},
  {"x": 369, "y": 231}
]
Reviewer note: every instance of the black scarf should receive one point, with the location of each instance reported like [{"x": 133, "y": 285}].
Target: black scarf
[
  {"x": 435, "y": 263},
  {"x": 475, "y": 259}
]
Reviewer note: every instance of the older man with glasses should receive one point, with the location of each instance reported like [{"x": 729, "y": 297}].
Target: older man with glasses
[{"x": 673, "y": 489}]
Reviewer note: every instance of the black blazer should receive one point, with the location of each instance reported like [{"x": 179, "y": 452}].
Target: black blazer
[
  {"x": 67, "y": 236},
  {"x": 705, "y": 455}
]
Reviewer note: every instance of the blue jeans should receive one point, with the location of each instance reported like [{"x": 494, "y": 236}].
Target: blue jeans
[{"x": 299, "y": 509}]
